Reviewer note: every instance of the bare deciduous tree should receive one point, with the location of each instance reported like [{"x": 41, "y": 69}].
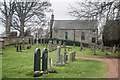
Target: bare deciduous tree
[{"x": 7, "y": 10}]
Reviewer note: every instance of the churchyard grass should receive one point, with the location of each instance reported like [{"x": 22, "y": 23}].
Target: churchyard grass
[
  {"x": 20, "y": 64},
  {"x": 0, "y": 66}
]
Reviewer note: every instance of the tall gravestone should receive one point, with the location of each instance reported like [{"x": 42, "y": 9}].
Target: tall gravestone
[
  {"x": 37, "y": 62},
  {"x": 20, "y": 47},
  {"x": 50, "y": 46},
  {"x": 50, "y": 63},
  {"x": 59, "y": 57},
  {"x": 94, "y": 49},
  {"x": 65, "y": 52},
  {"x": 81, "y": 46},
  {"x": 17, "y": 48},
  {"x": 59, "y": 43},
  {"x": 23, "y": 44},
  {"x": 45, "y": 60},
  {"x": 71, "y": 56}
]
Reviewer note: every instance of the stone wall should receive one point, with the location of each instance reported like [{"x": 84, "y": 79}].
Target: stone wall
[
  {"x": 89, "y": 34},
  {"x": 13, "y": 40}
]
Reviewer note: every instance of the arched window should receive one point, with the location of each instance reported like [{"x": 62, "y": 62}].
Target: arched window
[
  {"x": 82, "y": 35},
  {"x": 66, "y": 35},
  {"x": 93, "y": 40}
]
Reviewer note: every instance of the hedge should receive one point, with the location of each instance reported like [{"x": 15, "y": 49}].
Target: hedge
[{"x": 67, "y": 42}]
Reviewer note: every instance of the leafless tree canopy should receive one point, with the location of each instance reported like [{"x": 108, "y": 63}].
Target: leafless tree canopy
[
  {"x": 88, "y": 10},
  {"x": 21, "y": 15}
]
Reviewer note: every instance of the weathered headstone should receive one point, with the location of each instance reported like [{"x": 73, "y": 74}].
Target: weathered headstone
[
  {"x": 50, "y": 63},
  {"x": 51, "y": 69},
  {"x": 94, "y": 49},
  {"x": 54, "y": 45},
  {"x": 43, "y": 42},
  {"x": 71, "y": 56},
  {"x": 17, "y": 48},
  {"x": 37, "y": 42},
  {"x": 1, "y": 45},
  {"x": 64, "y": 44},
  {"x": 114, "y": 49},
  {"x": 23, "y": 44},
  {"x": 74, "y": 53},
  {"x": 29, "y": 43},
  {"x": 37, "y": 62},
  {"x": 65, "y": 52},
  {"x": 45, "y": 60},
  {"x": 59, "y": 43},
  {"x": 81, "y": 46},
  {"x": 50, "y": 46},
  {"x": 66, "y": 58},
  {"x": 59, "y": 60},
  {"x": 58, "y": 55},
  {"x": 32, "y": 41},
  {"x": 20, "y": 48}
]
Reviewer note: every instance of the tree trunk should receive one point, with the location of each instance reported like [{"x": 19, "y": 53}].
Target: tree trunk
[
  {"x": 22, "y": 27},
  {"x": 7, "y": 26}
]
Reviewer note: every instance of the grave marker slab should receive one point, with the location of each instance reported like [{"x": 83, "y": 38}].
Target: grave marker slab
[
  {"x": 37, "y": 62},
  {"x": 50, "y": 63},
  {"x": 17, "y": 48},
  {"x": 44, "y": 59},
  {"x": 59, "y": 60}
]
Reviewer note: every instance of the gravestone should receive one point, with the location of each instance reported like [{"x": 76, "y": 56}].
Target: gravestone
[
  {"x": 37, "y": 42},
  {"x": 65, "y": 52},
  {"x": 54, "y": 45},
  {"x": 32, "y": 41},
  {"x": 64, "y": 44},
  {"x": 59, "y": 43},
  {"x": 66, "y": 58},
  {"x": 61, "y": 60},
  {"x": 43, "y": 42},
  {"x": 114, "y": 49},
  {"x": 20, "y": 47},
  {"x": 1, "y": 45},
  {"x": 59, "y": 57},
  {"x": 23, "y": 44},
  {"x": 74, "y": 53},
  {"x": 94, "y": 49},
  {"x": 51, "y": 69},
  {"x": 44, "y": 59},
  {"x": 17, "y": 48},
  {"x": 37, "y": 58},
  {"x": 81, "y": 46},
  {"x": 29, "y": 43},
  {"x": 71, "y": 57},
  {"x": 50, "y": 46},
  {"x": 50, "y": 63}
]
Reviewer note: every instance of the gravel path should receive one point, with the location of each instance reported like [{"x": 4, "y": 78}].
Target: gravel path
[{"x": 112, "y": 66}]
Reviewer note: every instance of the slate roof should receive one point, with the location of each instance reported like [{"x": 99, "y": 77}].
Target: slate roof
[{"x": 75, "y": 24}]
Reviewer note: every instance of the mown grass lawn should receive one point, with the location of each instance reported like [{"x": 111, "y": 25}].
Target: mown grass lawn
[
  {"x": 0, "y": 66},
  {"x": 20, "y": 64}
]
